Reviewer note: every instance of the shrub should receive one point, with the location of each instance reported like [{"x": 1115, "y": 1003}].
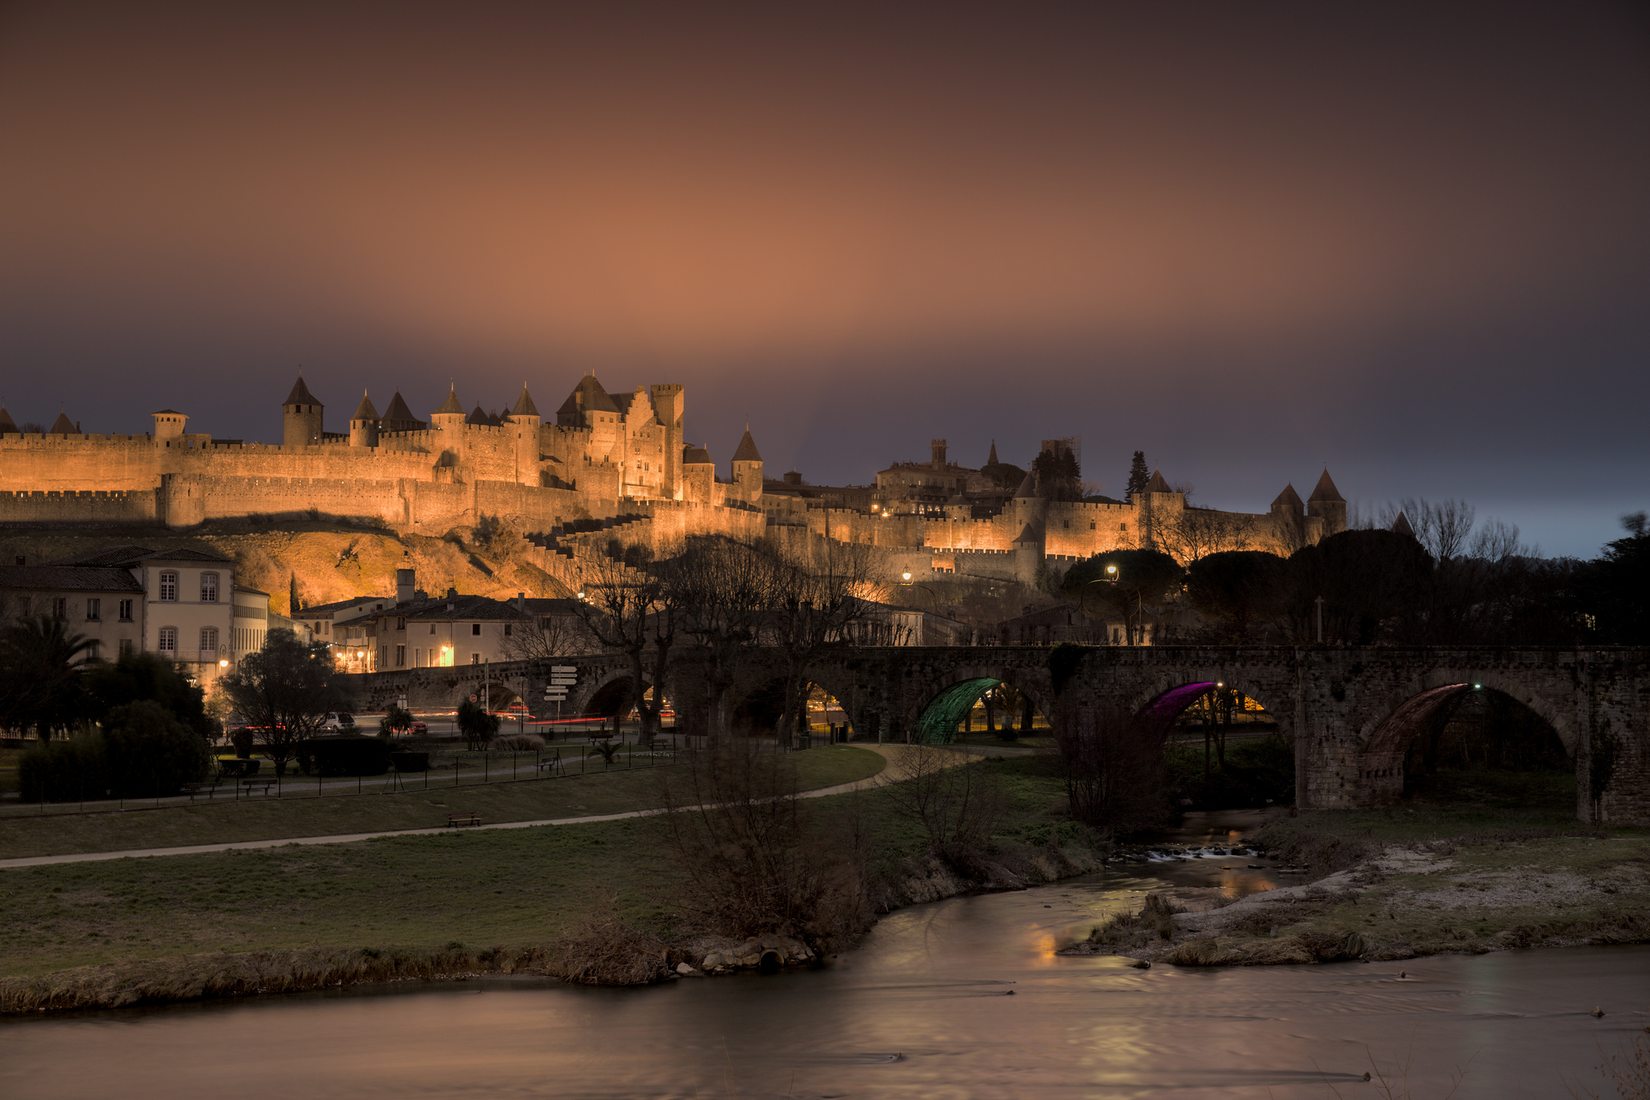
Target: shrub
[
  {"x": 518, "y": 742},
  {"x": 64, "y": 771},
  {"x": 150, "y": 752},
  {"x": 343, "y": 756}
]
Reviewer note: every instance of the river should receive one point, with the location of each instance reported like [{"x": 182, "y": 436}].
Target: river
[{"x": 961, "y": 998}]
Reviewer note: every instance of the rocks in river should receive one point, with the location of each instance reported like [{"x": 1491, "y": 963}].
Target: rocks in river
[{"x": 767, "y": 954}]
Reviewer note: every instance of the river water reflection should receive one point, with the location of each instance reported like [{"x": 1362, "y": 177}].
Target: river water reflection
[{"x": 963, "y": 998}]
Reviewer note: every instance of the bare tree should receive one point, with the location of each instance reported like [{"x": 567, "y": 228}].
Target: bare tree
[
  {"x": 1198, "y": 532},
  {"x": 549, "y": 636},
  {"x": 955, "y": 802},
  {"x": 813, "y": 611},
  {"x": 628, "y": 606}
]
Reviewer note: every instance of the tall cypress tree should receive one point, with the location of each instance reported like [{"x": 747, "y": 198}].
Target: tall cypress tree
[
  {"x": 292, "y": 593},
  {"x": 1138, "y": 476}
]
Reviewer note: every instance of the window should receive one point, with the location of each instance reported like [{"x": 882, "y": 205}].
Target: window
[
  {"x": 125, "y": 646},
  {"x": 475, "y": 630},
  {"x": 94, "y": 609},
  {"x": 506, "y": 630},
  {"x": 400, "y": 656},
  {"x": 168, "y": 584},
  {"x": 209, "y": 641},
  {"x": 384, "y": 655},
  {"x": 94, "y": 652},
  {"x": 209, "y": 588},
  {"x": 60, "y": 607},
  {"x": 169, "y": 640},
  {"x": 432, "y": 630},
  {"x": 125, "y": 611},
  {"x": 400, "y": 623},
  {"x": 475, "y": 658}
]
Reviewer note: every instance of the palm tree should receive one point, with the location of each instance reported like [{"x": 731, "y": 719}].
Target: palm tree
[{"x": 40, "y": 663}]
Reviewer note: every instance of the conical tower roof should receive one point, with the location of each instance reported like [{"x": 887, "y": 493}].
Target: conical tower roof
[
  {"x": 588, "y": 396},
  {"x": 1028, "y": 533},
  {"x": 478, "y": 415},
  {"x": 1400, "y": 526},
  {"x": 7, "y": 424},
  {"x": 746, "y": 451},
  {"x": 1157, "y": 484},
  {"x": 64, "y": 426},
  {"x": 991, "y": 458},
  {"x": 1325, "y": 490},
  {"x": 1288, "y": 499},
  {"x": 451, "y": 405},
  {"x": 524, "y": 404},
  {"x": 365, "y": 411},
  {"x": 398, "y": 417},
  {"x": 1028, "y": 487},
  {"x": 300, "y": 394}
]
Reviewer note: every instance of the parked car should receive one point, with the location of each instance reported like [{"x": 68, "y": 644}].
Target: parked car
[{"x": 338, "y": 720}]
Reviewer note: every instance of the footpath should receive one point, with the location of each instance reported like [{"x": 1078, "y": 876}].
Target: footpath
[{"x": 891, "y": 753}]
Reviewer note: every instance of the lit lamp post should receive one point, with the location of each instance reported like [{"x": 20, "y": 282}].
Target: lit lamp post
[{"x": 1114, "y": 576}]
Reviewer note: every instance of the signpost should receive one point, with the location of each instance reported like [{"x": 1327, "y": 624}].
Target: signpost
[{"x": 562, "y": 677}]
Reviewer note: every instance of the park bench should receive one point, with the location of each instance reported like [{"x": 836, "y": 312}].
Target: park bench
[
  {"x": 250, "y": 785},
  {"x": 193, "y": 789},
  {"x": 553, "y": 765},
  {"x": 457, "y": 820}
]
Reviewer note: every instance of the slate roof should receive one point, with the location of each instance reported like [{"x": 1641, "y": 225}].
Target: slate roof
[
  {"x": 524, "y": 404},
  {"x": 696, "y": 456},
  {"x": 451, "y": 405},
  {"x": 746, "y": 451},
  {"x": 588, "y": 396},
  {"x": 64, "y": 426},
  {"x": 1288, "y": 499},
  {"x": 7, "y": 424},
  {"x": 68, "y": 578},
  {"x": 478, "y": 415},
  {"x": 1325, "y": 490},
  {"x": 452, "y": 608},
  {"x": 365, "y": 411},
  {"x": 1157, "y": 484},
  {"x": 1400, "y": 526},
  {"x": 300, "y": 394},
  {"x": 131, "y": 555},
  {"x": 399, "y": 418}
]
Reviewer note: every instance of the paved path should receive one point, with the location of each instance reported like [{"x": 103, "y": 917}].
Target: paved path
[{"x": 889, "y": 752}]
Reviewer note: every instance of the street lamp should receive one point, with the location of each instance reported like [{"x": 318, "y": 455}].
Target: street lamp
[{"x": 1114, "y": 576}]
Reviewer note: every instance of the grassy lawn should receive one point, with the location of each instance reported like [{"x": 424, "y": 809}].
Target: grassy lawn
[
  {"x": 507, "y": 888},
  {"x": 260, "y": 818}
]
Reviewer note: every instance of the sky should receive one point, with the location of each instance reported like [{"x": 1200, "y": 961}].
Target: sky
[{"x": 1406, "y": 242}]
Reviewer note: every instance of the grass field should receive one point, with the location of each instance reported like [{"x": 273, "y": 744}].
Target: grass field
[
  {"x": 463, "y": 892},
  {"x": 261, "y": 818}
]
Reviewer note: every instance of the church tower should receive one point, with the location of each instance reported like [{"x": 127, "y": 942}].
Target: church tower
[{"x": 300, "y": 418}]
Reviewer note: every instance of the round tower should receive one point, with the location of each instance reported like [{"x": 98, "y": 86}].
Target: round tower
[
  {"x": 524, "y": 422},
  {"x": 363, "y": 426},
  {"x": 168, "y": 424},
  {"x": 747, "y": 469},
  {"x": 300, "y": 418}
]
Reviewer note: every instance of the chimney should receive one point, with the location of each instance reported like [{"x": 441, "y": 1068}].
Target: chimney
[
  {"x": 404, "y": 580},
  {"x": 938, "y": 447}
]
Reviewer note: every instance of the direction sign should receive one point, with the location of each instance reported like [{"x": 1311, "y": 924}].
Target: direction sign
[{"x": 565, "y": 670}]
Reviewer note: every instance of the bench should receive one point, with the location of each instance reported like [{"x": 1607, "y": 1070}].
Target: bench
[
  {"x": 552, "y": 765},
  {"x": 193, "y": 789},
  {"x": 250, "y": 785},
  {"x": 457, "y": 820}
]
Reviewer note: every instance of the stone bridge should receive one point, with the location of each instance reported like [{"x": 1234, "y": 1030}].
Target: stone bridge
[{"x": 1351, "y": 713}]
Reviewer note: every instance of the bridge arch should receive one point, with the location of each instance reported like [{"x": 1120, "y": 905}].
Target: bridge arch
[
  {"x": 941, "y": 710},
  {"x": 1394, "y": 743},
  {"x": 757, "y": 705}
]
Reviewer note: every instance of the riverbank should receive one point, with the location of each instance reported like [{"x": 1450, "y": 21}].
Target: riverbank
[
  {"x": 1403, "y": 883},
  {"x": 539, "y": 900}
]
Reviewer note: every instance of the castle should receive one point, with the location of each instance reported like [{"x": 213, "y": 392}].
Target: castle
[
  {"x": 600, "y": 454},
  {"x": 615, "y": 466}
]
